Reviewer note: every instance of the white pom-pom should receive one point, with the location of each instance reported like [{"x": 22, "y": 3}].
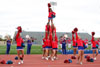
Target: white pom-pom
[{"x": 27, "y": 36}]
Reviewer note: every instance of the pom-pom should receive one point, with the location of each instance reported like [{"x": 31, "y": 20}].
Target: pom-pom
[
  {"x": 16, "y": 58},
  {"x": 73, "y": 32},
  {"x": 3, "y": 62},
  {"x": 49, "y": 5},
  {"x": 19, "y": 29},
  {"x": 75, "y": 29},
  {"x": 73, "y": 57},
  {"x": 9, "y": 62},
  {"x": 93, "y": 33}
]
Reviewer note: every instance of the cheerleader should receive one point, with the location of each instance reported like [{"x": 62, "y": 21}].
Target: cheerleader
[
  {"x": 54, "y": 48},
  {"x": 47, "y": 30},
  {"x": 29, "y": 44},
  {"x": 47, "y": 48},
  {"x": 86, "y": 42},
  {"x": 51, "y": 14},
  {"x": 8, "y": 44},
  {"x": 69, "y": 43},
  {"x": 43, "y": 46},
  {"x": 64, "y": 46},
  {"x": 94, "y": 48},
  {"x": 80, "y": 47},
  {"x": 19, "y": 48},
  {"x": 74, "y": 43}
]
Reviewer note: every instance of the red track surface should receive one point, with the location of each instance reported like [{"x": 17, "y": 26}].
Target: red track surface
[{"x": 36, "y": 61}]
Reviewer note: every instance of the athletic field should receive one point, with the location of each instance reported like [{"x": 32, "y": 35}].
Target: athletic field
[{"x": 35, "y": 49}]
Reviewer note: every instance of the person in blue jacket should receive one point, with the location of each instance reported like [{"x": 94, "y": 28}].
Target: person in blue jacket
[
  {"x": 8, "y": 45},
  {"x": 64, "y": 46},
  {"x": 29, "y": 44}
]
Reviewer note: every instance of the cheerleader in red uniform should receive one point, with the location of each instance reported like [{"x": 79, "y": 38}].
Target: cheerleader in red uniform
[
  {"x": 19, "y": 42},
  {"x": 47, "y": 30},
  {"x": 80, "y": 47},
  {"x": 74, "y": 43},
  {"x": 98, "y": 43},
  {"x": 51, "y": 14},
  {"x": 86, "y": 42},
  {"x": 54, "y": 48},
  {"x": 43, "y": 46},
  {"x": 47, "y": 48},
  {"x": 94, "y": 48}
]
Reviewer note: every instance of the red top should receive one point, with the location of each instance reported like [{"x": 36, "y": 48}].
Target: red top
[
  {"x": 79, "y": 41},
  {"x": 54, "y": 30},
  {"x": 86, "y": 41},
  {"x": 93, "y": 42},
  {"x": 48, "y": 42},
  {"x": 19, "y": 40},
  {"x": 74, "y": 42},
  {"x": 51, "y": 13},
  {"x": 97, "y": 42},
  {"x": 44, "y": 43},
  {"x": 69, "y": 41},
  {"x": 47, "y": 29},
  {"x": 54, "y": 44}
]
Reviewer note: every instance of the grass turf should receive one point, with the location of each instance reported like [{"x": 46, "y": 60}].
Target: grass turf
[{"x": 35, "y": 49}]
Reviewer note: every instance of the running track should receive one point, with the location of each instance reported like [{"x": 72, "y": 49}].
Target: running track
[{"x": 36, "y": 61}]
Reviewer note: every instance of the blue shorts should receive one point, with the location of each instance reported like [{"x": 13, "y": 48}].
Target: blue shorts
[
  {"x": 54, "y": 48},
  {"x": 94, "y": 48},
  {"x": 19, "y": 48},
  {"x": 80, "y": 48},
  {"x": 50, "y": 18},
  {"x": 48, "y": 47},
  {"x": 74, "y": 46}
]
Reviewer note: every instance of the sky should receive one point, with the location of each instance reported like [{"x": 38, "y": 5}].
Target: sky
[{"x": 32, "y": 15}]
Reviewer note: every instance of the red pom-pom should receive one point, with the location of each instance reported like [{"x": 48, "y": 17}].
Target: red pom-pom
[
  {"x": 49, "y": 5},
  {"x": 93, "y": 33},
  {"x": 3, "y": 62},
  {"x": 75, "y": 29},
  {"x": 73, "y": 57},
  {"x": 66, "y": 61},
  {"x": 19, "y": 29},
  {"x": 73, "y": 32}
]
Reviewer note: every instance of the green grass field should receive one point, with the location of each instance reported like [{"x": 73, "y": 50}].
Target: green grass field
[{"x": 36, "y": 49}]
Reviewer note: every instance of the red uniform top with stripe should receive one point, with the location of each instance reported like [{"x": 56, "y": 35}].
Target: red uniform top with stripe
[
  {"x": 54, "y": 30},
  {"x": 97, "y": 42},
  {"x": 55, "y": 43},
  {"x": 19, "y": 40},
  {"x": 47, "y": 29},
  {"x": 50, "y": 13},
  {"x": 48, "y": 43},
  {"x": 79, "y": 41},
  {"x": 93, "y": 42},
  {"x": 86, "y": 41},
  {"x": 74, "y": 41},
  {"x": 69, "y": 41},
  {"x": 44, "y": 43}
]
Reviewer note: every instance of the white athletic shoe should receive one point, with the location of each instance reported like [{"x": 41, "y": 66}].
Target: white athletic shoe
[
  {"x": 81, "y": 63},
  {"x": 19, "y": 63},
  {"x": 55, "y": 58},
  {"x": 46, "y": 58},
  {"x": 22, "y": 61},
  {"x": 43, "y": 57},
  {"x": 52, "y": 59},
  {"x": 95, "y": 58}
]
